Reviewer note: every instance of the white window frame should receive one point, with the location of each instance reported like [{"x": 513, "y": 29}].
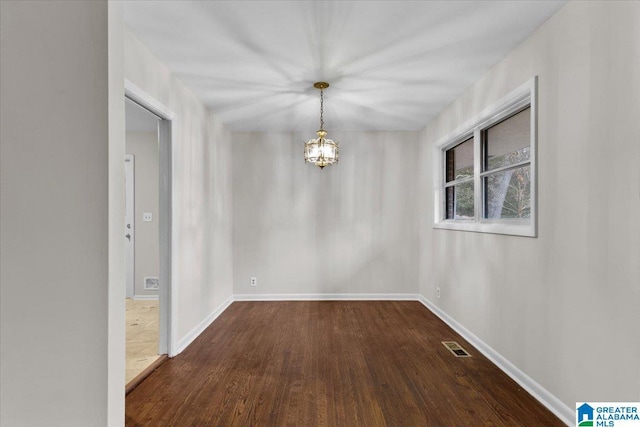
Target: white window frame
[{"x": 519, "y": 99}]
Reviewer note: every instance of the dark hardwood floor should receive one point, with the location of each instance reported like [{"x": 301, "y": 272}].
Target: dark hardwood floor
[{"x": 330, "y": 363}]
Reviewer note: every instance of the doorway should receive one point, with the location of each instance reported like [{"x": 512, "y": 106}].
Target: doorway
[
  {"x": 147, "y": 234},
  {"x": 141, "y": 234}
]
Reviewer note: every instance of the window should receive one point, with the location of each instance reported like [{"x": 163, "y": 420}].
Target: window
[
  {"x": 459, "y": 181},
  {"x": 506, "y": 167},
  {"x": 487, "y": 179}
]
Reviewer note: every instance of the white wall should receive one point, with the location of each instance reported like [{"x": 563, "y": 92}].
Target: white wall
[
  {"x": 562, "y": 307},
  {"x": 54, "y": 196},
  {"x": 144, "y": 147},
  {"x": 349, "y": 228},
  {"x": 203, "y": 273}
]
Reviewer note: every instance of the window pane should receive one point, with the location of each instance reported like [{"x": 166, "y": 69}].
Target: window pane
[
  {"x": 460, "y": 161},
  {"x": 508, "y": 142},
  {"x": 459, "y": 200},
  {"x": 508, "y": 194}
]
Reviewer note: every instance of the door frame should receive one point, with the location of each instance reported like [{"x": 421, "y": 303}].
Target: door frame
[
  {"x": 168, "y": 291},
  {"x": 129, "y": 205}
]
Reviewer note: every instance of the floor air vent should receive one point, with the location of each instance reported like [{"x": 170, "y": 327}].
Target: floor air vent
[
  {"x": 455, "y": 348},
  {"x": 151, "y": 283}
]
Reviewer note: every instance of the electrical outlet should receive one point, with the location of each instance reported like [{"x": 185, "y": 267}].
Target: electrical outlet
[
  {"x": 438, "y": 292},
  {"x": 254, "y": 282}
]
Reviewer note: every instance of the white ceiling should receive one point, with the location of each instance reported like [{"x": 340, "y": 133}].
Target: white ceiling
[{"x": 392, "y": 65}]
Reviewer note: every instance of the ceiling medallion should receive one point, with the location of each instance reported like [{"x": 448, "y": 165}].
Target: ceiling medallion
[{"x": 321, "y": 151}]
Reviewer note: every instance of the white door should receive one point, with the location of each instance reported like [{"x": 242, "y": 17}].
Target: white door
[{"x": 129, "y": 223}]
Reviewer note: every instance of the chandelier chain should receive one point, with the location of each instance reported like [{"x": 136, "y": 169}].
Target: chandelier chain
[{"x": 321, "y": 109}]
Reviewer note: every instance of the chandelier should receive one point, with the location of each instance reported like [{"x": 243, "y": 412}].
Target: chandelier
[{"x": 321, "y": 151}]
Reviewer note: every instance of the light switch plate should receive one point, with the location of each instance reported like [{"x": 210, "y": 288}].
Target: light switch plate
[{"x": 147, "y": 216}]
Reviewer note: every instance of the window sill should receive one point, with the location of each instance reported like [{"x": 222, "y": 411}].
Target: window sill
[{"x": 506, "y": 228}]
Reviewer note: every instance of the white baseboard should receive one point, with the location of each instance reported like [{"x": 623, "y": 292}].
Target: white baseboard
[
  {"x": 551, "y": 402},
  {"x": 326, "y": 297},
  {"x": 145, "y": 297},
  {"x": 195, "y": 332}
]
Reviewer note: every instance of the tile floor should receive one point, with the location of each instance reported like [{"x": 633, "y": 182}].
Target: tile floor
[{"x": 142, "y": 336}]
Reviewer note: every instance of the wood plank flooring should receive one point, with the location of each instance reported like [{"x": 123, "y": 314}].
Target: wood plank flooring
[
  {"x": 330, "y": 363},
  {"x": 142, "y": 335}
]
